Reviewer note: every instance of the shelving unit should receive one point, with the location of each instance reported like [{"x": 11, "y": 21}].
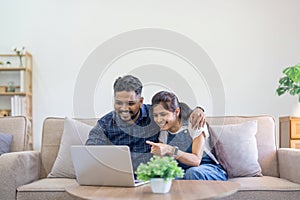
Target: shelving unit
[
  {"x": 19, "y": 101},
  {"x": 289, "y": 132}
]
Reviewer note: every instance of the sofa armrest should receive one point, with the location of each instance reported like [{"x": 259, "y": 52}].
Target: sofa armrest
[
  {"x": 16, "y": 169},
  {"x": 289, "y": 164}
]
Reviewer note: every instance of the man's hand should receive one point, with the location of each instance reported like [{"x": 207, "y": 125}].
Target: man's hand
[
  {"x": 197, "y": 118},
  {"x": 160, "y": 149}
]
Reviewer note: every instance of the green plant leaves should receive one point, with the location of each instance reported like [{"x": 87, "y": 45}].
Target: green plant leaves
[
  {"x": 159, "y": 167},
  {"x": 281, "y": 90},
  {"x": 295, "y": 90},
  {"x": 286, "y": 81},
  {"x": 293, "y": 72},
  {"x": 290, "y": 82}
]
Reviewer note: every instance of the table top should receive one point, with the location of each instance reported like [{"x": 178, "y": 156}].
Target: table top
[{"x": 181, "y": 189}]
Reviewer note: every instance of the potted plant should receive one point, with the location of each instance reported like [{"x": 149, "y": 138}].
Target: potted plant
[
  {"x": 8, "y": 63},
  {"x": 290, "y": 83},
  {"x": 160, "y": 171},
  {"x": 20, "y": 52}
]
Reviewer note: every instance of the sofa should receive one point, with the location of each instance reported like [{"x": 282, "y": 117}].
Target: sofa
[
  {"x": 26, "y": 172},
  {"x": 18, "y": 127}
]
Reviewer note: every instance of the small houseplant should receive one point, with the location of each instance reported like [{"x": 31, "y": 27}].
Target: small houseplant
[
  {"x": 20, "y": 52},
  {"x": 290, "y": 83},
  {"x": 160, "y": 171},
  {"x": 8, "y": 63}
]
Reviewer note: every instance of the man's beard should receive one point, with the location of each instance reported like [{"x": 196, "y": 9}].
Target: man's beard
[{"x": 132, "y": 115}]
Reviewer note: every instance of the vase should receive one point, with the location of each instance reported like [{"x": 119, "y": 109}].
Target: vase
[
  {"x": 21, "y": 61},
  {"x": 159, "y": 185},
  {"x": 11, "y": 86},
  {"x": 296, "y": 110}
]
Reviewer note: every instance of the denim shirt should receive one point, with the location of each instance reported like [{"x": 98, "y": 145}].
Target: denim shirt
[{"x": 111, "y": 130}]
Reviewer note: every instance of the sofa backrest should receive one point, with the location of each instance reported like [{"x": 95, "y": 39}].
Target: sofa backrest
[
  {"x": 19, "y": 127},
  {"x": 265, "y": 137},
  {"x": 267, "y": 157},
  {"x": 53, "y": 128}
]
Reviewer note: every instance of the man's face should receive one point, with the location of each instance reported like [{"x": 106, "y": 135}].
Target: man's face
[{"x": 127, "y": 105}]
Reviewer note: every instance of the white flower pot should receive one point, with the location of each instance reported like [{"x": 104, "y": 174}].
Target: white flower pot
[{"x": 159, "y": 185}]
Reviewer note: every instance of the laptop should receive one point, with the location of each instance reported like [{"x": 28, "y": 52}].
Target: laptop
[{"x": 105, "y": 165}]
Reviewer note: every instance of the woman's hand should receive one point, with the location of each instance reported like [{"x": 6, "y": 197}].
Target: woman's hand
[
  {"x": 160, "y": 149},
  {"x": 197, "y": 118}
]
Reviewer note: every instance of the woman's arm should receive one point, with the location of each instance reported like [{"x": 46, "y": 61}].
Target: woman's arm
[
  {"x": 194, "y": 158},
  {"x": 191, "y": 159}
]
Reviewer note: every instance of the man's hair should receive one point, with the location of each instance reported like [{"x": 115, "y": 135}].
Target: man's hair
[{"x": 128, "y": 83}]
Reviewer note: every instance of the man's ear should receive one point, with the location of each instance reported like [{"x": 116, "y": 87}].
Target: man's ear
[
  {"x": 141, "y": 101},
  {"x": 177, "y": 111}
]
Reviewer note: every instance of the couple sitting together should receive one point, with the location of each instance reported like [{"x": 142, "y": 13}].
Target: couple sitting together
[{"x": 165, "y": 128}]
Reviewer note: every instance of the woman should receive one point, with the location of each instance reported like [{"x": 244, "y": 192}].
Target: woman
[{"x": 191, "y": 148}]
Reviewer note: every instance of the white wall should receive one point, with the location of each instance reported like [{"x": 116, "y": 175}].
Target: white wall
[{"x": 249, "y": 42}]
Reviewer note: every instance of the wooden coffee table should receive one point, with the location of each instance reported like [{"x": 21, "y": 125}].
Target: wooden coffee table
[{"x": 181, "y": 189}]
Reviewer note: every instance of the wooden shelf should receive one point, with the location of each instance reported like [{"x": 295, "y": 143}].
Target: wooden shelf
[
  {"x": 15, "y": 93},
  {"x": 20, "y": 102},
  {"x": 15, "y": 55},
  {"x": 289, "y": 132},
  {"x": 14, "y": 69}
]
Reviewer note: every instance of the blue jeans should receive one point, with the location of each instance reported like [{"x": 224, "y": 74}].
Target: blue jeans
[{"x": 207, "y": 170}]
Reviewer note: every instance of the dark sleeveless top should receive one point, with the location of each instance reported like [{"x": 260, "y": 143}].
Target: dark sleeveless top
[{"x": 184, "y": 141}]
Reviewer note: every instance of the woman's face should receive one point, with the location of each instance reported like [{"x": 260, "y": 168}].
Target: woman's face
[{"x": 165, "y": 119}]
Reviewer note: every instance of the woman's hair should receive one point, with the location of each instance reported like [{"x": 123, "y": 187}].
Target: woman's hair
[{"x": 169, "y": 101}]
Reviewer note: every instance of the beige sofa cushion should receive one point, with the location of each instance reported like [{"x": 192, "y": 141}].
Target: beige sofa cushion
[
  {"x": 19, "y": 127},
  {"x": 52, "y": 132},
  {"x": 75, "y": 133},
  {"x": 265, "y": 183},
  {"x": 48, "y": 184},
  {"x": 289, "y": 162},
  {"x": 48, "y": 189},
  {"x": 265, "y": 137},
  {"x": 236, "y": 148}
]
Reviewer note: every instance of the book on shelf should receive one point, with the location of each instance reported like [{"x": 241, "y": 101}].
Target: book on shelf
[{"x": 18, "y": 105}]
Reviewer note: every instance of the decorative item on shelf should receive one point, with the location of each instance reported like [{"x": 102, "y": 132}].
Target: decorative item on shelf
[
  {"x": 11, "y": 86},
  {"x": 160, "y": 171},
  {"x": 290, "y": 83},
  {"x": 17, "y": 96},
  {"x": 4, "y": 113},
  {"x": 1, "y": 63},
  {"x": 8, "y": 64},
  {"x": 2, "y": 89},
  {"x": 20, "y": 52}
]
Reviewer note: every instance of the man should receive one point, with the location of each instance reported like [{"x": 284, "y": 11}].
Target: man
[{"x": 131, "y": 123}]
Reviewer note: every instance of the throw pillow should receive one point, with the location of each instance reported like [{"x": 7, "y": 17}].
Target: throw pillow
[
  {"x": 75, "y": 133},
  {"x": 236, "y": 148},
  {"x": 5, "y": 142}
]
